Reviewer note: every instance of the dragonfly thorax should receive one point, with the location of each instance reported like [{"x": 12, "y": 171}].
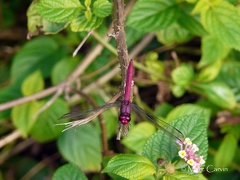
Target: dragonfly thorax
[{"x": 124, "y": 119}]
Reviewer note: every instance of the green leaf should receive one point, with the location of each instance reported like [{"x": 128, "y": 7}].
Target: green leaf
[
  {"x": 203, "y": 5},
  {"x": 153, "y": 15},
  {"x": 222, "y": 22},
  {"x": 82, "y": 24},
  {"x": 44, "y": 129},
  {"x": 173, "y": 34},
  {"x": 38, "y": 54},
  {"x": 33, "y": 83},
  {"x": 187, "y": 109},
  {"x": 160, "y": 145},
  {"x": 218, "y": 93},
  {"x": 226, "y": 151},
  {"x": 130, "y": 166},
  {"x": 182, "y": 75},
  {"x": 22, "y": 116},
  {"x": 178, "y": 91},
  {"x": 59, "y": 10},
  {"x": 138, "y": 135},
  {"x": 88, "y": 15},
  {"x": 191, "y": 24},
  {"x": 81, "y": 146},
  {"x": 62, "y": 69},
  {"x": 38, "y": 24},
  {"x": 102, "y": 8},
  {"x": 183, "y": 175},
  {"x": 87, "y": 3},
  {"x": 68, "y": 171},
  {"x": 210, "y": 72},
  {"x": 212, "y": 50}
]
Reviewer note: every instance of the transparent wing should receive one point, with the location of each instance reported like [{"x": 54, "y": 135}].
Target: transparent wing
[
  {"x": 160, "y": 124},
  {"x": 77, "y": 115}
]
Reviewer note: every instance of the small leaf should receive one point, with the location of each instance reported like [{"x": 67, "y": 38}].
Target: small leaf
[
  {"x": 82, "y": 24},
  {"x": 102, "y": 8},
  {"x": 88, "y": 15},
  {"x": 138, "y": 135},
  {"x": 182, "y": 75},
  {"x": 68, "y": 171},
  {"x": 178, "y": 91},
  {"x": 59, "y": 10},
  {"x": 183, "y": 175},
  {"x": 219, "y": 94},
  {"x": 33, "y": 84},
  {"x": 87, "y": 3},
  {"x": 44, "y": 129},
  {"x": 210, "y": 72},
  {"x": 226, "y": 151},
  {"x": 130, "y": 166},
  {"x": 222, "y": 22},
  {"x": 153, "y": 15},
  {"x": 160, "y": 145},
  {"x": 212, "y": 50},
  {"x": 81, "y": 146},
  {"x": 22, "y": 116}
]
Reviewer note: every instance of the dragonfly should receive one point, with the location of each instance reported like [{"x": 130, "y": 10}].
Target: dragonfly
[{"x": 126, "y": 107}]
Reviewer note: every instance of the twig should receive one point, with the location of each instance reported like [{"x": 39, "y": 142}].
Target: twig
[
  {"x": 81, "y": 44},
  {"x": 9, "y": 138}
]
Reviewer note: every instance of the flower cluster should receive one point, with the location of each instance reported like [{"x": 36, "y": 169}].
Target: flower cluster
[{"x": 187, "y": 152}]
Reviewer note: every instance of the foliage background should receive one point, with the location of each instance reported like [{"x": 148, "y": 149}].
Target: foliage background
[{"x": 191, "y": 65}]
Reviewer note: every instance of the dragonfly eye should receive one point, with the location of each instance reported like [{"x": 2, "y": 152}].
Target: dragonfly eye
[{"x": 124, "y": 119}]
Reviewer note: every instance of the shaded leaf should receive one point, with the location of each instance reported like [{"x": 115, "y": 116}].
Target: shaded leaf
[
  {"x": 182, "y": 75},
  {"x": 69, "y": 171},
  {"x": 130, "y": 166},
  {"x": 81, "y": 146},
  {"x": 44, "y": 129}
]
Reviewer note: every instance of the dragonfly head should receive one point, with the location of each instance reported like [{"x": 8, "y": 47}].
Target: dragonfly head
[{"x": 124, "y": 119}]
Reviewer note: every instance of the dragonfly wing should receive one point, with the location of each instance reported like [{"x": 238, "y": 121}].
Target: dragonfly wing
[
  {"x": 83, "y": 114},
  {"x": 160, "y": 124}
]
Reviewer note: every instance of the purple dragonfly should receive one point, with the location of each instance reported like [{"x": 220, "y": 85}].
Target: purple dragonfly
[{"x": 125, "y": 113}]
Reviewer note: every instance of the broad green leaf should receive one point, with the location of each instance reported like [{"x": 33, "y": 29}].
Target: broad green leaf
[
  {"x": 69, "y": 171},
  {"x": 203, "y": 5},
  {"x": 178, "y": 91},
  {"x": 212, "y": 50},
  {"x": 102, "y": 8},
  {"x": 130, "y": 166},
  {"x": 182, "y": 75},
  {"x": 173, "y": 34},
  {"x": 183, "y": 175},
  {"x": 22, "y": 116},
  {"x": 82, "y": 24},
  {"x": 37, "y": 24},
  {"x": 153, "y": 15},
  {"x": 191, "y": 24},
  {"x": 45, "y": 128},
  {"x": 33, "y": 83},
  {"x": 62, "y": 69},
  {"x": 222, "y": 22},
  {"x": 210, "y": 72},
  {"x": 218, "y": 93},
  {"x": 160, "y": 145},
  {"x": 226, "y": 151},
  {"x": 187, "y": 109},
  {"x": 59, "y": 10},
  {"x": 138, "y": 135},
  {"x": 38, "y": 54},
  {"x": 81, "y": 146}
]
